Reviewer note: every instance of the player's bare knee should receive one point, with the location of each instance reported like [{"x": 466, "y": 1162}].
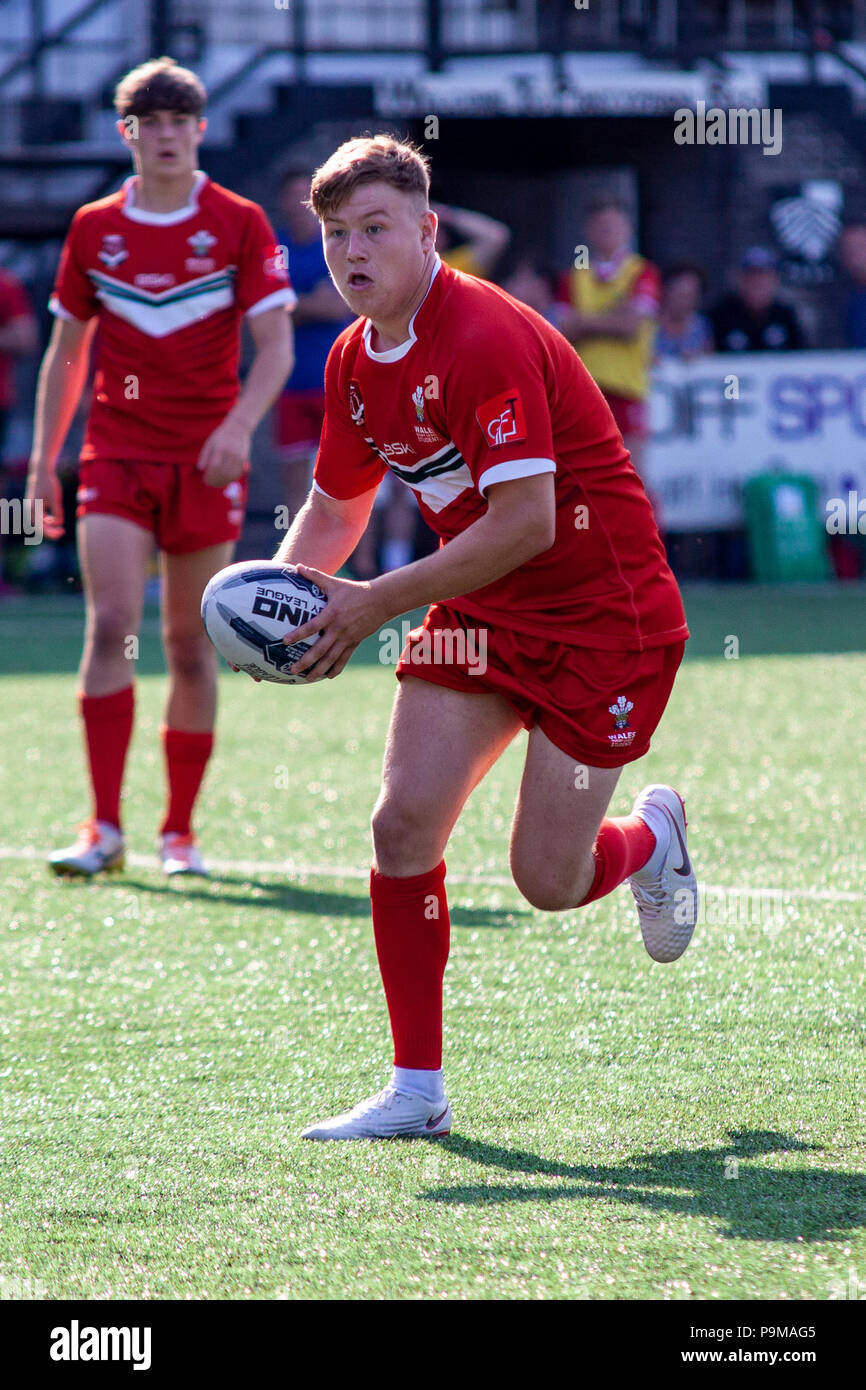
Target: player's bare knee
[
  {"x": 390, "y": 824},
  {"x": 544, "y": 895},
  {"x": 110, "y": 630},
  {"x": 401, "y": 834}
]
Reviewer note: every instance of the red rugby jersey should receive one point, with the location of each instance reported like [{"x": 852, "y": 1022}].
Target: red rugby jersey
[
  {"x": 170, "y": 289},
  {"x": 484, "y": 390},
  {"x": 14, "y": 304}
]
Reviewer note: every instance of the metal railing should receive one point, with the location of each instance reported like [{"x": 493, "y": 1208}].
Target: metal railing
[
  {"x": 78, "y": 48},
  {"x": 436, "y": 29}
]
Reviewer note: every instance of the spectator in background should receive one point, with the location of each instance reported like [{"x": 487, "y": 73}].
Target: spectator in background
[
  {"x": 683, "y": 332},
  {"x": 470, "y": 241},
  {"x": 318, "y": 319},
  {"x": 852, "y": 252},
  {"x": 753, "y": 318},
  {"x": 19, "y": 337},
  {"x": 612, "y": 312},
  {"x": 535, "y": 284}
]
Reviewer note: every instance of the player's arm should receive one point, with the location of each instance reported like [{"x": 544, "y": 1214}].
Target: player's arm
[
  {"x": 486, "y": 238},
  {"x": 326, "y": 530},
  {"x": 62, "y": 376},
  {"x": 520, "y": 522},
  {"x": 226, "y": 452},
  {"x": 622, "y": 322},
  {"x": 321, "y": 304}
]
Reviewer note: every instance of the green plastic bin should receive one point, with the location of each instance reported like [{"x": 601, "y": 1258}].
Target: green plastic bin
[{"x": 787, "y": 540}]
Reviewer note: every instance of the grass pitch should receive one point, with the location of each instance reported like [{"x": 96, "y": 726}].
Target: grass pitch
[{"x": 622, "y": 1129}]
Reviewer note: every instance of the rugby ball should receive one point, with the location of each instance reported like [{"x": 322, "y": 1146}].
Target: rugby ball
[{"x": 248, "y": 608}]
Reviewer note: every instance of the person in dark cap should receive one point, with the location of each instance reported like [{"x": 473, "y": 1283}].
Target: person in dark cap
[{"x": 753, "y": 318}]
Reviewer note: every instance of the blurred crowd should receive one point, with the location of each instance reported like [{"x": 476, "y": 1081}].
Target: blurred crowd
[{"x": 621, "y": 312}]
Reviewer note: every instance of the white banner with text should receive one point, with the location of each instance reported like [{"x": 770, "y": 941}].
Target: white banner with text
[{"x": 720, "y": 420}]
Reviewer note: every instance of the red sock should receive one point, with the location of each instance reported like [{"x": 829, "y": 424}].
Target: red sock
[
  {"x": 186, "y": 757},
  {"x": 412, "y": 931},
  {"x": 623, "y": 845},
  {"x": 107, "y": 731}
]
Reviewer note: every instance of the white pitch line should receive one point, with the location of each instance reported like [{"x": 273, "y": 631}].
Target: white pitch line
[{"x": 291, "y": 869}]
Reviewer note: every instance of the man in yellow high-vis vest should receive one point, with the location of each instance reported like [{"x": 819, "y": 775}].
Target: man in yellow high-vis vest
[{"x": 612, "y": 318}]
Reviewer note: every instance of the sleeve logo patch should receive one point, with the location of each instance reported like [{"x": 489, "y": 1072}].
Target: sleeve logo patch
[{"x": 502, "y": 420}]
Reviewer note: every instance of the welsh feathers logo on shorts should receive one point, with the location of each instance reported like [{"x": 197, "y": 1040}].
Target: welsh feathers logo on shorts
[
  {"x": 502, "y": 420},
  {"x": 622, "y": 735}
]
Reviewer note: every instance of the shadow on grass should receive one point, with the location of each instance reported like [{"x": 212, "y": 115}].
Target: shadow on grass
[
  {"x": 751, "y": 1202},
  {"x": 234, "y": 890}
]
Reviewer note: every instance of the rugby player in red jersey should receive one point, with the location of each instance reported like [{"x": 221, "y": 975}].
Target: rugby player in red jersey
[
  {"x": 167, "y": 267},
  {"x": 550, "y": 568}
]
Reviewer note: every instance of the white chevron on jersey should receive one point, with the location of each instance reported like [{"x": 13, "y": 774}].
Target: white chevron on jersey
[
  {"x": 157, "y": 315},
  {"x": 437, "y": 479}
]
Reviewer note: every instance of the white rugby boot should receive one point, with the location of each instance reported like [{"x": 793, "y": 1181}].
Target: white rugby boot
[
  {"x": 391, "y": 1114},
  {"x": 180, "y": 854},
  {"x": 665, "y": 890},
  {"x": 98, "y": 849}
]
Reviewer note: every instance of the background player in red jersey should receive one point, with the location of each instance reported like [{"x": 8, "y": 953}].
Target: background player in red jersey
[
  {"x": 551, "y": 566},
  {"x": 167, "y": 267}
]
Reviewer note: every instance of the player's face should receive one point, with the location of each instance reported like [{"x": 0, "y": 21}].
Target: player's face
[
  {"x": 682, "y": 294},
  {"x": 608, "y": 232},
  {"x": 164, "y": 143},
  {"x": 758, "y": 288},
  {"x": 852, "y": 247},
  {"x": 378, "y": 245}
]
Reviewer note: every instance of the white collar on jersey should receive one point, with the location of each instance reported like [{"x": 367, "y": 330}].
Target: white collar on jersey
[
  {"x": 394, "y": 354},
  {"x": 605, "y": 270},
  {"x": 162, "y": 219}
]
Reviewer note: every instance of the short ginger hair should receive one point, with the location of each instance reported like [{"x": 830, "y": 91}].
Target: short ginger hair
[
  {"x": 369, "y": 159},
  {"x": 160, "y": 84}
]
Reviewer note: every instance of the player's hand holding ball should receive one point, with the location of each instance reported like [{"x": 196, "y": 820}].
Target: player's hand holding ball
[
  {"x": 287, "y": 623},
  {"x": 353, "y": 612}
]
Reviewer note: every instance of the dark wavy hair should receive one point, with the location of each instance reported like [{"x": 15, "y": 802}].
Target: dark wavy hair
[{"x": 159, "y": 85}]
